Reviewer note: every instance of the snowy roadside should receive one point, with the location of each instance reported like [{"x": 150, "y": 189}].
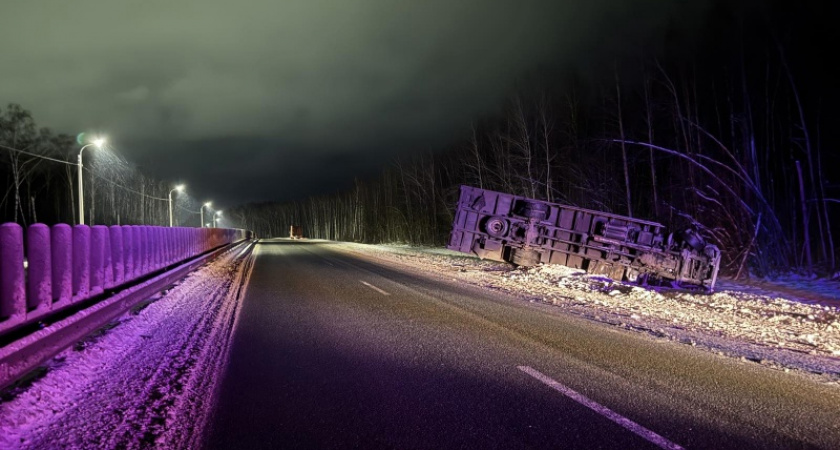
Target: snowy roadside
[
  {"x": 756, "y": 323},
  {"x": 146, "y": 380}
]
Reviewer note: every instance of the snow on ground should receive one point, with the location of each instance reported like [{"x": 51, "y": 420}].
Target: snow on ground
[
  {"x": 783, "y": 324},
  {"x": 146, "y": 382}
]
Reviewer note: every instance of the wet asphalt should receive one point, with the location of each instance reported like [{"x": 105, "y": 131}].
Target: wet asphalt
[{"x": 336, "y": 351}]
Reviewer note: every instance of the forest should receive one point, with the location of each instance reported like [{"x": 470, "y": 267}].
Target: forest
[
  {"x": 39, "y": 173},
  {"x": 734, "y": 138}
]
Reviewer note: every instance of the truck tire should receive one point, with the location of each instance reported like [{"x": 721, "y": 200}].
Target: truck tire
[
  {"x": 525, "y": 258},
  {"x": 497, "y": 227}
]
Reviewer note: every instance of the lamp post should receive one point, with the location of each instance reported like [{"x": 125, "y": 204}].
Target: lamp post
[
  {"x": 216, "y": 217},
  {"x": 202, "y": 212},
  {"x": 99, "y": 143},
  {"x": 179, "y": 188}
]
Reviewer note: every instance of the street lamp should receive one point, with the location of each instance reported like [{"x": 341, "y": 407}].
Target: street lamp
[
  {"x": 179, "y": 188},
  {"x": 202, "y": 212},
  {"x": 99, "y": 142},
  {"x": 216, "y": 217}
]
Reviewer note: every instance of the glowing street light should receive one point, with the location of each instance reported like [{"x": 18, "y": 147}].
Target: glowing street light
[
  {"x": 98, "y": 142},
  {"x": 207, "y": 205},
  {"x": 216, "y": 217},
  {"x": 179, "y": 188}
]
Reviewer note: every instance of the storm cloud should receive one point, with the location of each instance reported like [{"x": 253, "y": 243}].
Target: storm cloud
[{"x": 273, "y": 100}]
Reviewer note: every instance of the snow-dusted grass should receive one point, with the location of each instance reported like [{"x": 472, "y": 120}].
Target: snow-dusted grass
[
  {"x": 147, "y": 382},
  {"x": 788, "y": 324}
]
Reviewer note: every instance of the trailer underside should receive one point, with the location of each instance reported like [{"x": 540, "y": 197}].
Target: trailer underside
[{"x": 526, "y": 232}]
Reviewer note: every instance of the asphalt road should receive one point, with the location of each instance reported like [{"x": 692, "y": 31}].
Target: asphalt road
[{"x": 335, "y": 351}]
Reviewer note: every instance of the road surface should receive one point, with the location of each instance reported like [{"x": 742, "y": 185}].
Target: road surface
[{"x": 336, "y": 351}]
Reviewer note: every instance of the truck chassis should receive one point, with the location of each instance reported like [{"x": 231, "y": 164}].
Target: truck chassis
[{"x": 525, "y": 232}]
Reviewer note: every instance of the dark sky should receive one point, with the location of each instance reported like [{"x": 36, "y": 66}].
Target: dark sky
[{"x": 275, "y": 100}]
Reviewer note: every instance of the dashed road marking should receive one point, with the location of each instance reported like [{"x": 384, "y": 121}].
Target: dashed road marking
[
  {"x": 649, "y": 435},
  {"x": 374, "y": 287}
]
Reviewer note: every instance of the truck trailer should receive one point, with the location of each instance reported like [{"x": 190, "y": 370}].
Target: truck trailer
[
  {"x": 295, "y": 232},
  {"x": 526, "y": 232}
]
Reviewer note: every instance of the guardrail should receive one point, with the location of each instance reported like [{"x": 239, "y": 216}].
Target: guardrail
[{"x": 59, "y": 266}]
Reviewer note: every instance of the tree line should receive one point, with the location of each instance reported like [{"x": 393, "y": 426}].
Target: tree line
[
  {"x": 723, "y": 139},
  {"x": 40, "y": 179}
]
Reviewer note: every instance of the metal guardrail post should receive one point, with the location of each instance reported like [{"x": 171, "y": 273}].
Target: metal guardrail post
[
  {"x": 136, "y": 248},
  {"x": 143, "y": 242},
  {"x": 98, "y": 235},
  {"x": 12, "y": 291},
  {"x": 61, "y": 248},
  {"x": 39, "y": 268},
  {"x": 81, "y": 261},
  {"x": 107, "y": 263},
  {"x": 158, "y": 247},
  {"x": 115, "y": 232},
  {"x": 128, "y": 253}
]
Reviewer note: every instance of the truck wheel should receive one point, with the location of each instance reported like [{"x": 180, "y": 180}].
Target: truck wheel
[
  {"x": 496, "y": 227},
  {"x": 525, "y": 258},
  {"x": 533, "y": 210}
]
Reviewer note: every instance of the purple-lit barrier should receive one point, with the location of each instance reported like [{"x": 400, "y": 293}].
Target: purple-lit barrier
[{"x": 66, "y": 265}]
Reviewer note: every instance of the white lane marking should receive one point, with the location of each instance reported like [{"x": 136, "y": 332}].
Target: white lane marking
[
  {"x": 374, "y": 288},
  {"x": 656, "y": 439}
]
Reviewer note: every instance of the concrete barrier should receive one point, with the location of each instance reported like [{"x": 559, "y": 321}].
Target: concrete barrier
[{"x": 44, "y": 269}]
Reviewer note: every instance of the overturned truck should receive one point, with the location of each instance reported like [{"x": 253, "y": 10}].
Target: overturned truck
[{"x": 526, "y": 232}]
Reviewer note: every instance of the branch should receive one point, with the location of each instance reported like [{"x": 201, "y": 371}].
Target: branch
[
  {"x": 693, "y": 161},
  {"x": 830, "y": 200}
]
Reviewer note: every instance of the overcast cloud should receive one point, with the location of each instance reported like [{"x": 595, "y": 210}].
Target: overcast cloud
[{"x": 269, "y": 100}]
